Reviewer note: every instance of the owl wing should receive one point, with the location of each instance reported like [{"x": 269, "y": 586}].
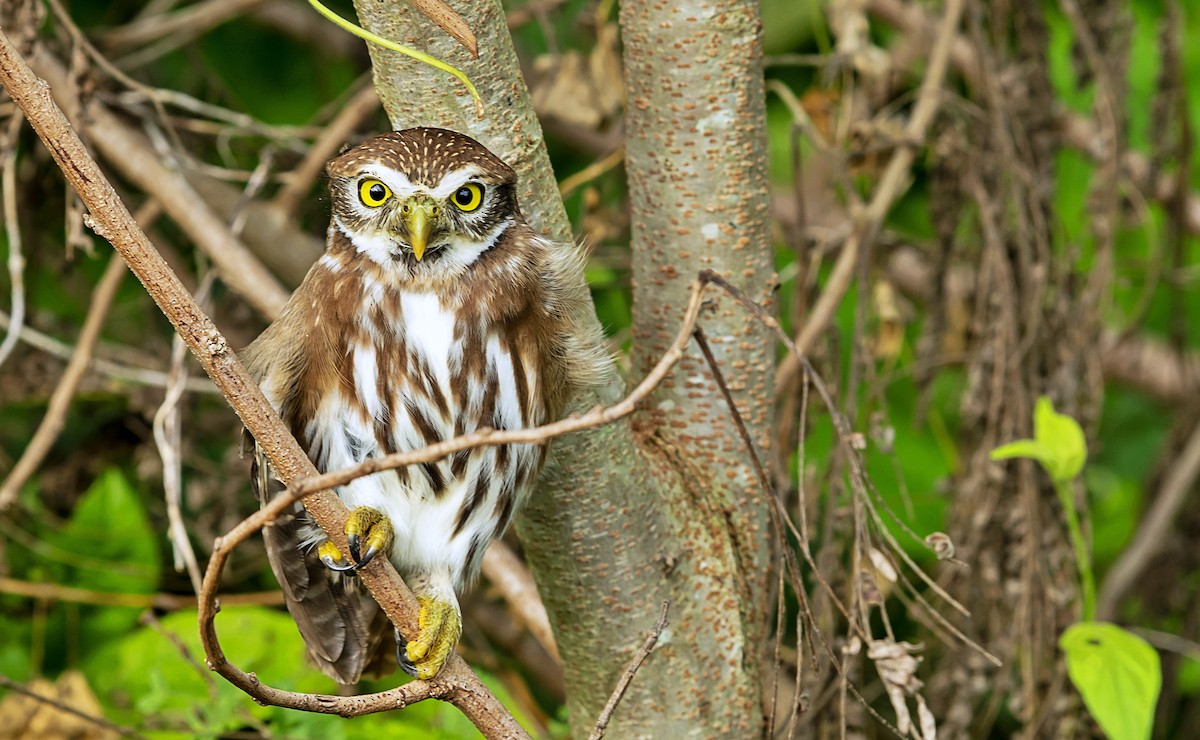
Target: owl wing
[{"x": 339, "y": 621}]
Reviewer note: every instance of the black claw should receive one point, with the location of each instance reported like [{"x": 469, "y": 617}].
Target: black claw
[
  {"x": 331, "y": 564},
  {"x": 352, "y": 540},
  {"x": 402, "y": 656},
  {"x": 367, "y": 557}
]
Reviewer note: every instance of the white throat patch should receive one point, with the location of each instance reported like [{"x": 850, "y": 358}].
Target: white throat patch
[{"x": 458, "y": 251}]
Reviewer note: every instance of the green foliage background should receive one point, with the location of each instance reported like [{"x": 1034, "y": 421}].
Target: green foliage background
[{"x": 102, "y": 528}]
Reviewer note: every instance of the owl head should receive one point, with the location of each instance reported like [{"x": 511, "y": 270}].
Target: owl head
[{"x": 423, "y": 200}]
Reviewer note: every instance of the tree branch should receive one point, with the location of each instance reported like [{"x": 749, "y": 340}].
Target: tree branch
[
  {"x": 135, "y": 159},
  {"x": 1153, "y": 528},
  {"x": 112, "y": 220},
  {"x": 891, "y": 186},
  {"x": 627, "y": 676},
  {"x": 60, "y": 401}
]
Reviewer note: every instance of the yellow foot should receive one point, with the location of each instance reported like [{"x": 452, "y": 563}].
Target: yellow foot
[
  {"x": 440, "y": 626},
  {"x": 363, "y": 525}
]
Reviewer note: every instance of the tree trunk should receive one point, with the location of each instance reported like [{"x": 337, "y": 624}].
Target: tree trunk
[{"x": 664, "y": 507}]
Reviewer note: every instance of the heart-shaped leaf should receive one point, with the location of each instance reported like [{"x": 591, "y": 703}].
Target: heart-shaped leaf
[{"x": 1118, "y": 675}]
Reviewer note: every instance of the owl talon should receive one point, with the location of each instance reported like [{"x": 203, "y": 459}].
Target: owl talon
[
  {"x": 367, "y": 557},
  {"x": 332, "y": 557},
  {"x": 369, "y": 526},
  {"x": 440, "y": 626},
  {"x": 402, "y": 659}
]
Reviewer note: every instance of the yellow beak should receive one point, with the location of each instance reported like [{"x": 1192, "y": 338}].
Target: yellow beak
[{"x": 420, "y": 215}]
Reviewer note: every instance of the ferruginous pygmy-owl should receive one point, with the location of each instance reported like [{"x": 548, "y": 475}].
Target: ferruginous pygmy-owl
[{"x": 435, "y": 311}]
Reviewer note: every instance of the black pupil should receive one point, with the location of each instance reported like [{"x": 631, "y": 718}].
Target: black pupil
[
  {"x": 377, "y": 191},
  {"x": 464, "y": 196}
]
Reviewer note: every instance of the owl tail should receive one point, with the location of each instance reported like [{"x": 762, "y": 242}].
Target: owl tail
[{"x": 340, "y": 622}]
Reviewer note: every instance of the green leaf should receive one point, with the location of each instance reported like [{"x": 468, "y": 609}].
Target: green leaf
[
  {"x": 1118, "y": 675},
  {"x": 145, "y": 677},
  {"x": 1058, "y": 443},
  {"x": 110, "y": 525},
  {"x": 1062, "y": 438},
  {"x": 1030, "y": 448}
]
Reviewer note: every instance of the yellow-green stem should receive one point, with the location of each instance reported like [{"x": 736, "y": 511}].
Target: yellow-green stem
[
  {"x": 400, "y": 48},
  {"x": 1083, "y": 558}
]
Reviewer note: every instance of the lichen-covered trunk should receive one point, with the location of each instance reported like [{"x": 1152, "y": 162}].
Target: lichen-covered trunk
[{"x": 664, "y": 507}]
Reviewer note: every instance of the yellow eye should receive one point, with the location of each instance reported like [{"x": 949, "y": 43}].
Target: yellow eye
[
  {"x": 373, "y": 193},
  {"x": 468, "y": 197}
]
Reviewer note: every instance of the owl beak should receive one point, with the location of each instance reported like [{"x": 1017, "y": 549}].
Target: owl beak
[{"x": 420, "y": 215}]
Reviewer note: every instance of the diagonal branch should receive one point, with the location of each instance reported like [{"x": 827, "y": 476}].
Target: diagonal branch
[
  {"x": 112, "y": 220},
  {"x": 892, "y": 184},
  {"x": 60, "y": 401},
  {"x": 132, "y": 156}
]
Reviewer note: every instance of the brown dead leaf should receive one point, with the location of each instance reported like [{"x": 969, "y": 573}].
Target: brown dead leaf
[
  {"x": 449, "y": 21},
  {"x": 577, "y": 90},
  {"x": 23, "y": 716}
]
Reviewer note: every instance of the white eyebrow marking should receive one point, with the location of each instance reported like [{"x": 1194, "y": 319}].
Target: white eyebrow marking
[
  {"x": 399, "y": 183},
  {"x": 455, "y": 180}
]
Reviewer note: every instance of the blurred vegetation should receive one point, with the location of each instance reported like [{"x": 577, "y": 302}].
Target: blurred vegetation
[{"x": 94, "y": 518}]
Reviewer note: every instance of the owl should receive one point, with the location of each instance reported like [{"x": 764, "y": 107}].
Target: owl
[{"x": 435, "y": 311}]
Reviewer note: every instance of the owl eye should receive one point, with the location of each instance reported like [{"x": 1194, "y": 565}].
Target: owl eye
[
  {"x": 468, "y": 197},
  {"x": 373, "y": 193}
]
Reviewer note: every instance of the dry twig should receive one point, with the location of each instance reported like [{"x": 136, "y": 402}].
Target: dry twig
[
  {"x": 112, "y": 220},
  {"x": 891, "y": 186},
  {"x": 168, "y": 433},
  {"x": 12, "y": 230},
  {"x": 160, "y": 601},
  {"x": 1153, "y": 529},
  {"x": 130, "y": 153},
  {"x": 114, "y": 370},
  {"x": 60, "y": 401},
  {"x": 627, "y": 676},
  {"x": 512, "y": 578},
  {"x": 364, "y": 102},
  {"x": 1079, "y": 131}
]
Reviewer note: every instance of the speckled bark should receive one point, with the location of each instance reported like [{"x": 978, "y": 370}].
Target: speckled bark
[
  {"x": 415, "y": 94},
  {"x": 697, "y": 166},
  {"x": 628, "y": 518}
]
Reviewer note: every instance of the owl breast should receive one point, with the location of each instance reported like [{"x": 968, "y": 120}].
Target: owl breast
[{"x": 415, "y": 371}]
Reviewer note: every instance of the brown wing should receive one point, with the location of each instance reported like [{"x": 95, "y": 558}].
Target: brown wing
[{"x": 342, "y": 625}]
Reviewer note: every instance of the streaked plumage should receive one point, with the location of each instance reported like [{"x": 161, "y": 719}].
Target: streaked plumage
[{"x": 394, "y": 341}]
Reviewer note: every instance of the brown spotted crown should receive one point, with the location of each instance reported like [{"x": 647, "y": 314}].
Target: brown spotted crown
[{"x": 425, "y": 155}]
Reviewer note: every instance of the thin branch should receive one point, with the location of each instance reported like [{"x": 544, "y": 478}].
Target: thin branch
[
  {"x": 131, "y": 155},
  {"x": 60, "y": 401},
  {"x": 571, "y": 183},
  {"x": 1079, "y": 131},
  {"x": 891, "y": 186},
  {"x": 191, "y": 21},
  {"x": 168, "y": 432},
  {"x": 1153, "y": 529},
  {"x": 161, "y": 601},
  {"x": 205, "y": 675},
  {"x": 12, "y": 230},
  {"x": 335, "y": 134},
  {"x": 114, "y": 370},
  {"x": 512, "y": 578},
  {"x": 627, "y": 677},
  {"x": 112, "y": 220}
]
